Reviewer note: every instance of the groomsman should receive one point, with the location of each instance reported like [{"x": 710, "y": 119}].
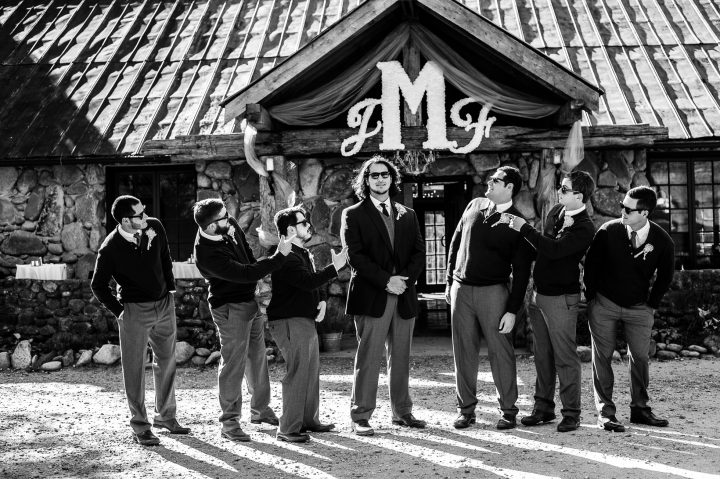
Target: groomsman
[
  {"x": 294, "y": 307},
  {"x": 386, "y": 253},
  {"x": 226, "y": 261},
  {"x": 136, "y": 255},
  {"x": 624, "y": 256},
  {"x": 560, "y": 247},
  {"x": 480, "y": 261}
]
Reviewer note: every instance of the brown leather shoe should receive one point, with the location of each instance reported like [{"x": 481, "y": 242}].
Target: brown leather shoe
[
  {"x": 464, "y": 420},
  {"x": 146, "y": 438},
  {"x": 172, "y": 425},
  {"x": 408, "y": 420}
]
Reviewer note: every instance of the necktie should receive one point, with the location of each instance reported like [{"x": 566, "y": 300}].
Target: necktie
[
  {"x": 490, "y": 211},
  {"x": 633, "y": 239},
  {"x": 384, "y": 209},
  {"x": 137, "y": 236},
  {"x": 559, "y": 221}
]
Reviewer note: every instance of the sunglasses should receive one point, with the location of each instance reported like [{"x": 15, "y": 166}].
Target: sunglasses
[
  {"x": 303, "y": 222},
  {"x": 384, "y": 174},
  {"x": 565, "y": 190},
  {"x": 227, "y": 215},
  {"x": 628, "y": 210},
  {"x": 495, "y": 180},
  {"x": 139, "y": 215}
]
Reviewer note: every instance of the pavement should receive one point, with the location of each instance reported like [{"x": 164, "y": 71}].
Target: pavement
[{"x": 422, "y": 346}]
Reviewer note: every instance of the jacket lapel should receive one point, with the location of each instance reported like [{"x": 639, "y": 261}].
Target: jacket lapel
[{"x": 374, "y": 215}]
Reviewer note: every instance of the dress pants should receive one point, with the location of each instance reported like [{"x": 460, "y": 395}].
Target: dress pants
[
  {"x": 554, "y": 323},
  {"x": 298, "y": 342},
  {"x": 637, "y": 322},
  {"x": 395, "y": 333},
  {"x": 242, "y": 338},
  {"x": 152, "y": 321},
  {"x": 475, "y": 310}
]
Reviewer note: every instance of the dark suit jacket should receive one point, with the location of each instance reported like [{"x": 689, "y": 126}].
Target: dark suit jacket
[{"x": 372, "y": 259}]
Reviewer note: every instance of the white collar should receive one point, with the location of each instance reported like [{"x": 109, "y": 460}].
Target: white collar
[
  {"x": 210, "y": 237},
  {"x": 377, "y": 203},
  {"x": 503, "y": 207},
  {"x": 642, "y": 233},
  {"x": 574, "y": 212},
  {"x": 128, "y": 236}
]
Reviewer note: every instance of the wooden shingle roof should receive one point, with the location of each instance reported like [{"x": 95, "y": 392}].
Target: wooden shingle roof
[{"x": 85, "y": 77}]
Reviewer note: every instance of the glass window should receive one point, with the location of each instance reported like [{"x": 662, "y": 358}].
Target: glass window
[{"x": 435, "y": 259}]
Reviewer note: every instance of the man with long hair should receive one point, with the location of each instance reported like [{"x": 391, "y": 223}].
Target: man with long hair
[
  {"x": 137, "y": 257},
  {"x": 623, "y": 258},
  {"x": 386, "y": 254}
]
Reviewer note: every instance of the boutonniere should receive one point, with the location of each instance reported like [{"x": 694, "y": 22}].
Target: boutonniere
[
  {"x": 567, "y": 223},
  {"x": 400, "y": 210},
  {"x": 151, "y": 234},
  {"x": 231, "y": 234},
  {"x": 646, "y": 249}
]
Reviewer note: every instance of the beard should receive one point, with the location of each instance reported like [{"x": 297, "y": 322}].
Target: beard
[{"x": 222, "y": 230}]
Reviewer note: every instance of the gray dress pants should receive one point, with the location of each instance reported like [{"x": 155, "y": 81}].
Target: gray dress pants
[
  {"x": 140, "y": 323},
  {"x": 298, "y": 342},
  {"x": 554, "y": 322},
  {"x": 395, "y": 334},
  {"x": 637, "y": 322},
  {"x": 242, "y": 338},
  {"x": 475, "y": 310}
]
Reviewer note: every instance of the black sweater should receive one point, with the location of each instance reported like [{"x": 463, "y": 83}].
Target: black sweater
[
  {"x": 142, "y": 273},
  {"x": 295, "y": 286},
  {"x": 230, "y": 267},
  {"x": 559, "y": 254},
  {"x": 480, "y": 255},
  {"x": 613, "y": 270}
]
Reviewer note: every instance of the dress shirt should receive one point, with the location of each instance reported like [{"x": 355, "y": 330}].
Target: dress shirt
[{"x": 642, "y": 233}]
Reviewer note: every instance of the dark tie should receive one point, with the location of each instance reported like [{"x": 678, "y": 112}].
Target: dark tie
[
  {"x": 490, "y": 211},
  {"x": 559, "y": 221},
  {"x": 137, "y": 237},
  {"x": 384, "y": 209},
  {"x": 633, "y": 239}
]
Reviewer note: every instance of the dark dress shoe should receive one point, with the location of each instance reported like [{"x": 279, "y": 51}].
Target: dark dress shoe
[
  {"x": 237, "y": 435},
  {"x": 172, "y": 425},
  {"x": 610, "y": 423},
  {"x": 292, "y": 437},
  {"x": 362, "y": 427},
  {"x": 537, "y": 417},
  {"x": 506, "y": 422},
  {"x": 273, "y": 421},
  {"x": 146, "y": 438},
  {"x": 318, "y": 428},
  {"x": 408, "y": 420},
  {"x": 464, "y": 420},
  {"x": 568, "y": 424},
  {"x": 639, "y": 416}
]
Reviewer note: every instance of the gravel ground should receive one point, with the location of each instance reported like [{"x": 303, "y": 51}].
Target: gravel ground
[{"x": 73, "y": 423}]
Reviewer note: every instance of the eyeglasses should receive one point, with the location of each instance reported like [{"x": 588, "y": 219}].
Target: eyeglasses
[
  {"x": 384, "y": 174},
  {"x": 565, "y": 190},
  {"x": 495, "y": 180},
  {"x": 303, "y": 222},
  {"x": 139, "y": 215},
  {"x": 227, "y": 215},
  {"x": 629, "y": 210}
]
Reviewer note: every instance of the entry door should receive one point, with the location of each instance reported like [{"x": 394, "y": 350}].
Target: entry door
[{"x": 439, "y": 205}]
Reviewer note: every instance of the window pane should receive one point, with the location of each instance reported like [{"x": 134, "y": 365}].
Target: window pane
[
  {"x": 658, "y": 173},
  {"x": 703, "y": 172},
  {"x": 678, "y": 173},
  {"x": 704, "y": 196},
  {"x": 663, "y": 197},
  {"x": 704, "y": 220},
  {"x": 679, "y": 221},
  {"x": 678, "y": 197}
]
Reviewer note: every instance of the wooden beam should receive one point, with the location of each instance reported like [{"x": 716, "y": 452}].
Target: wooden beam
[
  {"x": 353, "y": 25},
  {"x": 569, "y": 113},
  {"x": 326, "y": 142},
  {"x": 411, "y": 64},
  {"x": 521, "y": 55},
  {"x": 258, "y": 116}
]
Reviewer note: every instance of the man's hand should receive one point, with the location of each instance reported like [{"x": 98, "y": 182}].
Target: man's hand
[
  {"x": 514, "y": 222},
  {"x": 285, "y": 245},
  {"x": 448, "y": 299},
  {"x": 506, "y": 323},
  {"x": 321, "y": 311},
  {"x": 396, "y": 285},
  {"x": 339, "y": 260}
]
